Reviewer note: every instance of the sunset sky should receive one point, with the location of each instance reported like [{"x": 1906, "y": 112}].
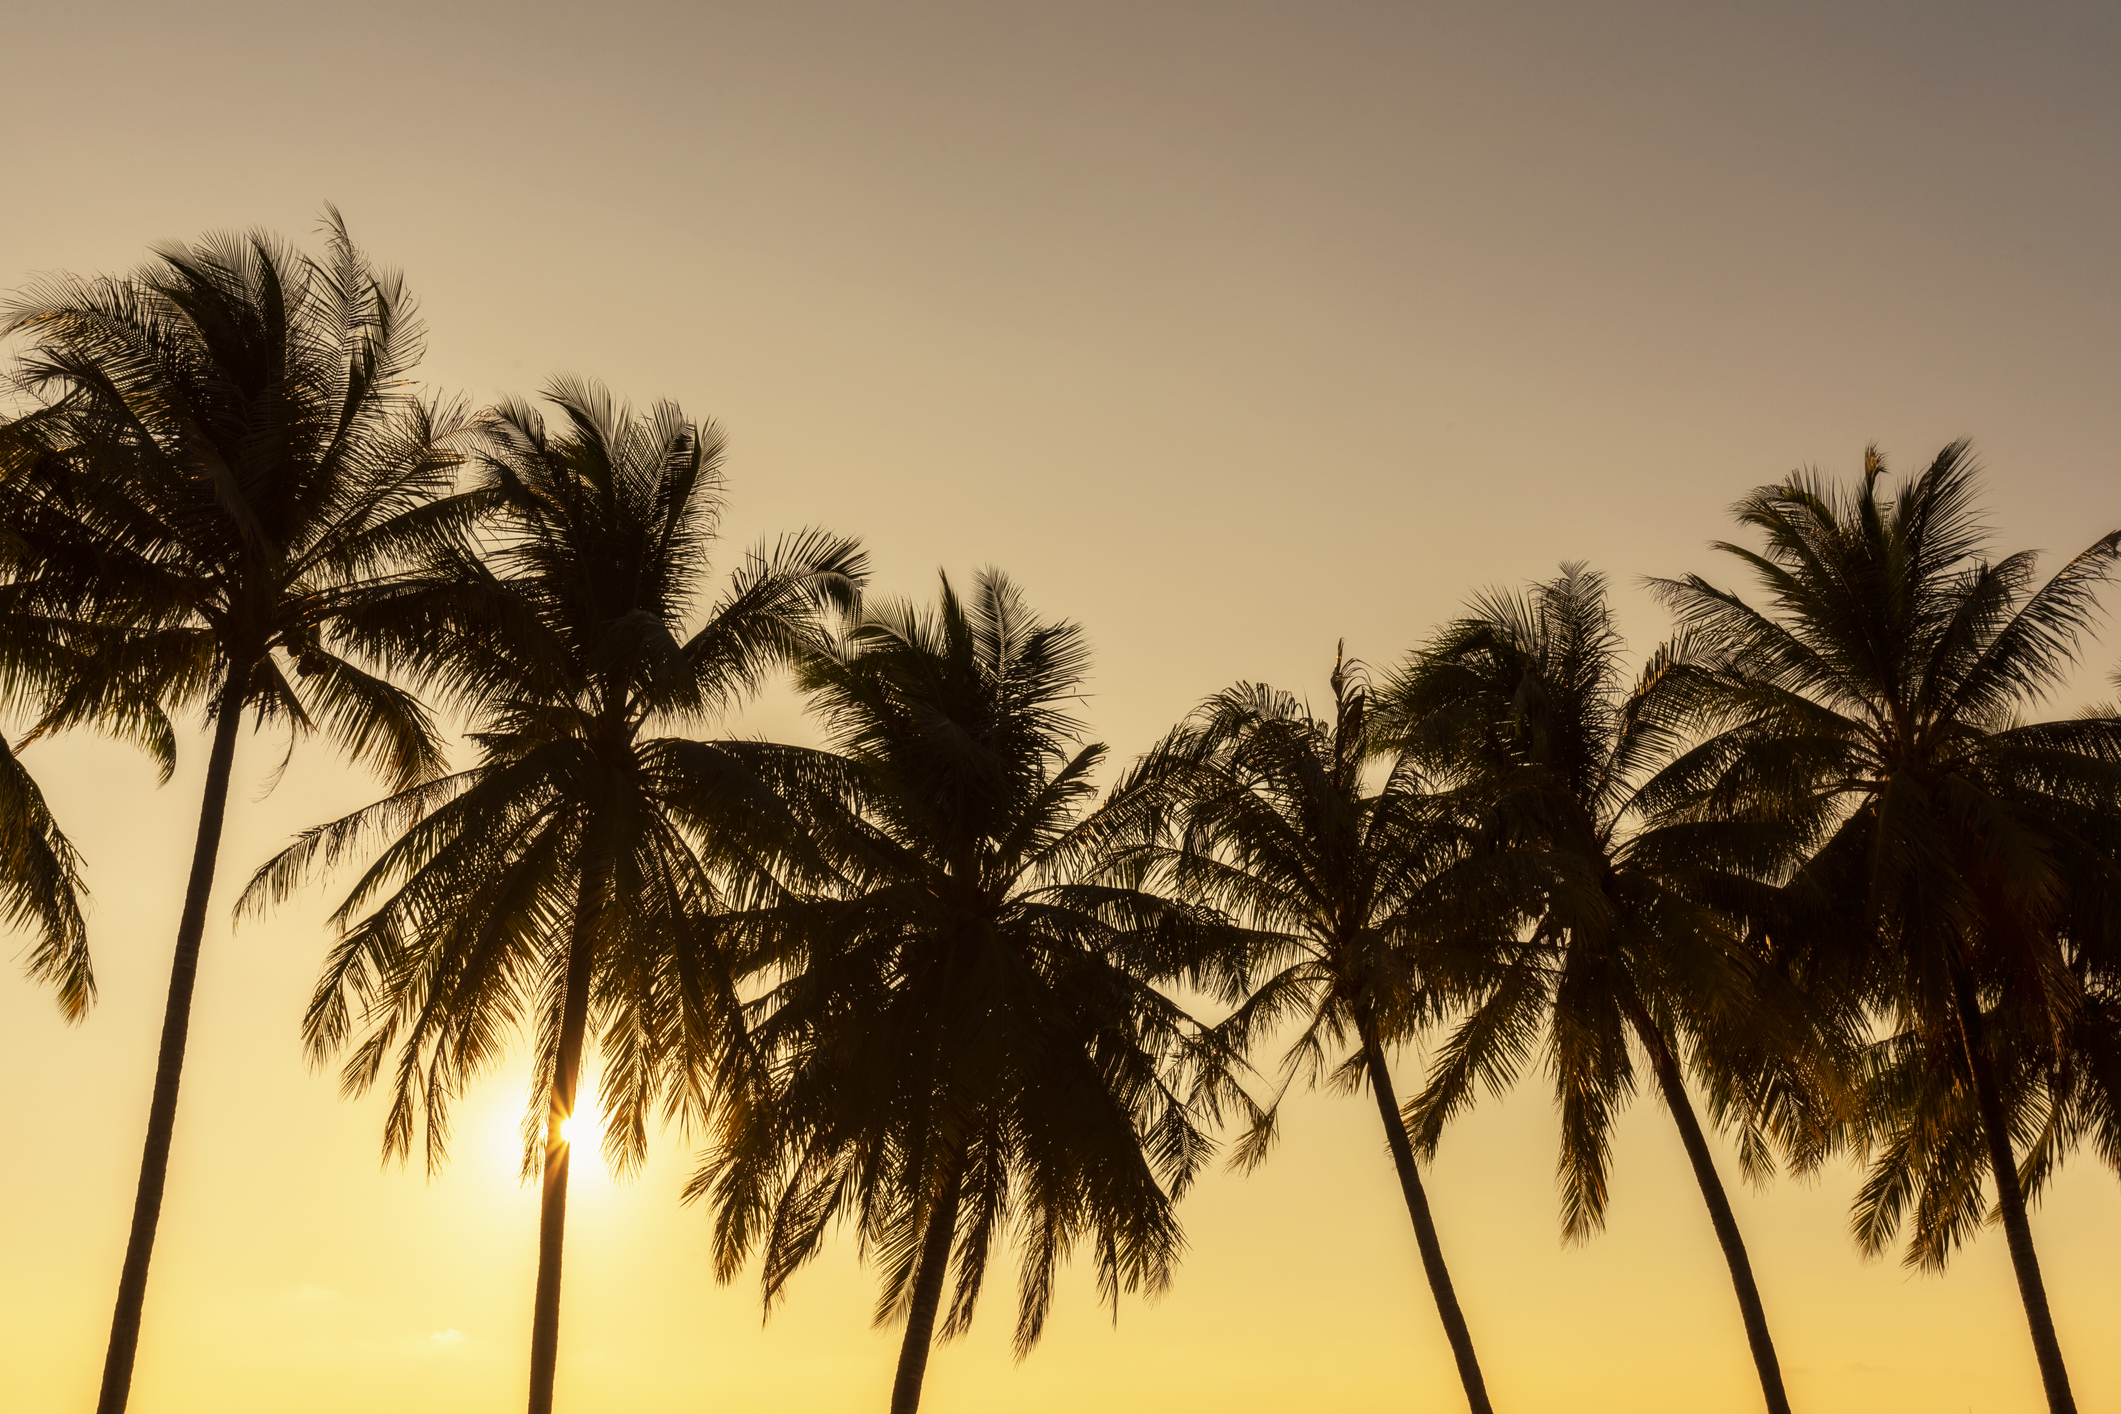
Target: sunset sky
[{"x": 1229, "y": 330}]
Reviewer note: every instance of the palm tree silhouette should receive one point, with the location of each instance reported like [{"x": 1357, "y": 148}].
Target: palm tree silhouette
[
  {"x": 568, "y": 873},
  {"x": 232, "y": 466},
  {"x": 1958, "y": 877},
  {"x": 1523, "y": 704},
  {"x": 960, "y": 1028},
  {"x": 1264, "y": 812}
]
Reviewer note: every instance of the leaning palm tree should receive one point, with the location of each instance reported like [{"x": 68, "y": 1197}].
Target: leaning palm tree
[
  {"x": 958, "y": 1028},
  {"x": 570, "y": 873},
  {"x": 1524, "y": 705},
  {"x": 1267, "y": 812},
  {"x": 232, "y": 466},
  {"x": 1961, "y": 852}
]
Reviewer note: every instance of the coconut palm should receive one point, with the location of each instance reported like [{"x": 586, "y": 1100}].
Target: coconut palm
[
  {"x": 567, "y": 873},
  {"x": 958, "y": 1023},
  {"x": 1266, "y": 813},
  {"x": 232, "y": 464},
  {"x": 1961, "y": 851},
  {"x": 1524, "y": 704}
]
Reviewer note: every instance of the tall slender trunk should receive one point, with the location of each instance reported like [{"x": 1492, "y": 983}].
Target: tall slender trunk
[
  {"x": 1454, "y": 1321},
  {"x": 2010, "y": 1198},
  {"x": 169, "y": 1061},
  {"x": 552, "y": 1218},
  {"x": 927, "y": 1296},
  {"x": 1673, "y": 1083}
]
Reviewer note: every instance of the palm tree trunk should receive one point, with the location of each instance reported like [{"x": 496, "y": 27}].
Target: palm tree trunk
[
  {"x": 1454, "y": 1321},
  {"x": 169, "y": 1062},
  {"x": 927, "y": 1297},
  {"x": 552, "y": 1218},
  {"x": 1673, "y": 1083},
  {"x": 2010, "y": 1198}
]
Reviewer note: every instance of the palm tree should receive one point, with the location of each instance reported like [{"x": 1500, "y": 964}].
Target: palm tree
[
  {"x": 959, "y": 1026},
  {"x": 1266, "y": 813},
  {"x": 1524, "y": 704},
  {"x": 233, "y": 465},
  {"x": 1880, "y": 702},
  {"x": 568, "y": 872}
]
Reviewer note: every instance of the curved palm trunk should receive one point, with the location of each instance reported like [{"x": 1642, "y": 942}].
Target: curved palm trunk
[
  {"x": 927, "y": 1298},
  {"x": 169, "y": 1061},
  {"x": 2010, "y": 1198},
  {"x": 1673, "y": 1084},
  {"x": 1454, "y": 1321},
  {"x": 552, "y": 1217}
]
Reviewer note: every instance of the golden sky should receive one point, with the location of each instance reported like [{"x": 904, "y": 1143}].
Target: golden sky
[{"x": 1229, "y": 330}]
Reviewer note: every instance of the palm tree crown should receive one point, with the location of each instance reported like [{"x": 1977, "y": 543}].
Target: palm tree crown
[
  {"x": 232, "y": 455},
  {"x": 1958, "y": 880},
  {"x": 567, "y": 873},
  {"x": 959, "y": 1024},
  {"x": 1268, "y": 813}
]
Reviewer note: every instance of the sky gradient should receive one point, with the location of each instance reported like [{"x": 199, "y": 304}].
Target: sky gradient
[{"x": 1229, "y": 330}]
